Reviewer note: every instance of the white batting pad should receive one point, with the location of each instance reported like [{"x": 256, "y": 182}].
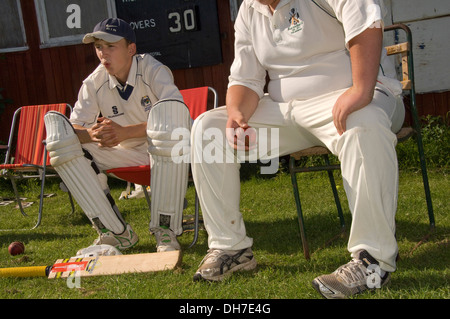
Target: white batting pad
[
  {"x": 88, "y": 186},
  {"x": 168, "y": 132}
]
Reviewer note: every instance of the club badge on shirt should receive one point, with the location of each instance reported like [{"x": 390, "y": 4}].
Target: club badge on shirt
[
  {"x": 294, "y": 20},
  {"x": 146, "y": 103}
]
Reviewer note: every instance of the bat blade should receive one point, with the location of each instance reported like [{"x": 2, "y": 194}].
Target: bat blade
[
  {"x": 100, "y": 266},
  {"x": 115, "y": 265}
]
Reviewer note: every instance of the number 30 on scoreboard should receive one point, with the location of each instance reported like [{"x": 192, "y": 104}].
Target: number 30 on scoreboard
[{"x": 182, "y": 20}]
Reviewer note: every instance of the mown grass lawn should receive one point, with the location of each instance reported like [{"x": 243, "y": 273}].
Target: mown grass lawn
[
  {"x": 269, "y": 211},
  {"x": 282, "y": 281}
]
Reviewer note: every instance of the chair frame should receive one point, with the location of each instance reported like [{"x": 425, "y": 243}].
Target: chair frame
[
  {"x": 29, "y": 170},
  {"x": 124, "y": 174},
  {"x": 404, "y": 49}
]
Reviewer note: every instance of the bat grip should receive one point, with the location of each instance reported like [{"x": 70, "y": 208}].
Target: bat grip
[{"x": 33, "y": 271}]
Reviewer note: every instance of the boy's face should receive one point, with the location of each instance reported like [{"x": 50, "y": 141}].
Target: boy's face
[{"x": 116, "y": 57}]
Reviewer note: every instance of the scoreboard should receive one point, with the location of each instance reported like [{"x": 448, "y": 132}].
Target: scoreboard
[{"x": 179, "y": 33}]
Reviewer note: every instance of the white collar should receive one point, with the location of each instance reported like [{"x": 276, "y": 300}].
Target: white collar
[{"x": 264, "y": 9}]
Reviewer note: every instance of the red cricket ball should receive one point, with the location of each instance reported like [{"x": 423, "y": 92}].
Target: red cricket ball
[{"x": 16, "y": 248}]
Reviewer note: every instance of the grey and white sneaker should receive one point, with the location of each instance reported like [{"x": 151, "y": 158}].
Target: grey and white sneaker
[
  {"x": 360, "y": 274},
  {"x": 219, "y": 263},
  {"x": 121, "y": 241},
  {"x": 166, "y": 240}
]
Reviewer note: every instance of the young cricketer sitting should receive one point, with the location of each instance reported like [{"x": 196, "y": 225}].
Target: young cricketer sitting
[{"x": 139, "y": 106}]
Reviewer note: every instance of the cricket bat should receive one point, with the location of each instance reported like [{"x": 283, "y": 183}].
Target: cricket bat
[{"x": 99, "y": 266}]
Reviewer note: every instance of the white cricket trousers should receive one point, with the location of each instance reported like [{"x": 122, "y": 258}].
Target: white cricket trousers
[
  {"x": 366, "y": 152},
  {"x": 118, "y": 156}
]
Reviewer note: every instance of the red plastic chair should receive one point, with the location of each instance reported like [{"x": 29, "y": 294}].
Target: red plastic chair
[
  {"x": 27, "y": 143},
  {"x": 196, "y": 100}
]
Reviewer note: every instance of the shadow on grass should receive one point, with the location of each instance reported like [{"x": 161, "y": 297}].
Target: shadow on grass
[{"x": 284, "y": 235}]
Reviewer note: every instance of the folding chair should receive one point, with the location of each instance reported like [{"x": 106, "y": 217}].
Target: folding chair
[
  {"x": 28, "y": 146},
  {"x": 197, "y": 101},
  {"x": 403, "y": 49}
]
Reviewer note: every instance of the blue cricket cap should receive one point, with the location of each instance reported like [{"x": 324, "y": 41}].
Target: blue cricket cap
[{"x": 111, "y": 30}]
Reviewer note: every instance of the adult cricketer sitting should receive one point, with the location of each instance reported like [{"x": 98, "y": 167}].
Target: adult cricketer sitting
[
  {"x": 140, "y": 107},
  {"x": 330, "y": 84}
]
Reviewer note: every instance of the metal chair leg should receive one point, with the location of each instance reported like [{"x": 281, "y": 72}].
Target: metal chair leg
[
  {"x": 196, "y": 220},
  {"x": 16, "y": 193},
  {"x": 416, "y": 125},
  {"x": 423, "y": 164},
  {"x": 147, "y": 196},
  {"x": 299, "y": 208}
]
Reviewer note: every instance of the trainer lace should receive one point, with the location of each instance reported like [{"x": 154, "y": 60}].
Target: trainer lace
[
  {"x": 213, "y": 254},
  {"x": 352, "y": 272}
]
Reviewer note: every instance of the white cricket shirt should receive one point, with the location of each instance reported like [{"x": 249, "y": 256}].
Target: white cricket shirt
[
  {"x": 148, "y": 82},
  {"x": 303, "y": 48}
]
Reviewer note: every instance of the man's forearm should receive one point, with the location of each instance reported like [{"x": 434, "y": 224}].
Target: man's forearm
[
  {"x": 108, "y": 132},
  {"x": 365, "y": 53},
  {"x": 83, "y": 134},
  {"x": 135, "y": 131},
  {"x": 243, "y": 100}
]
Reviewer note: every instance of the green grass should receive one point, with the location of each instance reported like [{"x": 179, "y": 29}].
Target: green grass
[{"x": 269, "y": 212}]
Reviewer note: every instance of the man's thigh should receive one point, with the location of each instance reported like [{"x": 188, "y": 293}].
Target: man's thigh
[{"x": 276, "y": 133}]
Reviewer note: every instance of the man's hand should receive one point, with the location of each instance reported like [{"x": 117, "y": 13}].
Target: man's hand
[
  {"x": 106, "y": 133},
  {"x": 239, "y": 135},
  {"x": 349, "y": 102},
  {"x": 241, "y": 104}
]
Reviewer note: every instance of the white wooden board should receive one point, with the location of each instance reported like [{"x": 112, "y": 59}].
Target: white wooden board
[{"x": 413, "y": 10}]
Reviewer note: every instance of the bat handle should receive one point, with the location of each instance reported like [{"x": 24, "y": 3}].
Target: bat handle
[{"x": 33, "y": 271}]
